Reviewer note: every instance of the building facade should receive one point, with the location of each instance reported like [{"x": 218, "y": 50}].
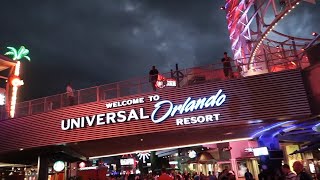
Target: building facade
[{"x": 227, "y": 117}]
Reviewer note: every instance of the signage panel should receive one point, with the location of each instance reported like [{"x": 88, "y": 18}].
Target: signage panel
[
  {"x": 214, "y": 104},
  {"x": 126, "y": 162},
  {"x": 168, "y": 107},
  {"x": 262, "y": 151}
]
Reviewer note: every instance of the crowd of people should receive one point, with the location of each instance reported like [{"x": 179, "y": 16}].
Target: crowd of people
[
  {"x": 301, "y": 174},
  {"x": 284, "y": 174},
  {"x": 224, "y": 175},
  {"x": 176, "y": 175}
]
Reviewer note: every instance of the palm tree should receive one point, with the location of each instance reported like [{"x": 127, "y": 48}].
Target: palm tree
[{"x": 18, "y": 55}]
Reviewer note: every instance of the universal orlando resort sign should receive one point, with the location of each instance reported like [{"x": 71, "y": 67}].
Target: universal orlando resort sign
[{"x": 169, "y": 108}]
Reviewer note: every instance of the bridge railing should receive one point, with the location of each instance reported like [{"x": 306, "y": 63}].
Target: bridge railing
[{"x": 191, "y": 76}]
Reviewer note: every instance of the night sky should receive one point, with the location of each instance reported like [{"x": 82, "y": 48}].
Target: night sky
[{"x": 102, "y": 41}]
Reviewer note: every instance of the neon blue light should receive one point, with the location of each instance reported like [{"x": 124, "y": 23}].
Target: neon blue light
[
  {"x": 316, "y": 127},
  {"x": 188, "y": 106},
  {"x": 158, "y": 106},
  {"x": 285, "y": 130},
  {"x": 269, "y": 128}
]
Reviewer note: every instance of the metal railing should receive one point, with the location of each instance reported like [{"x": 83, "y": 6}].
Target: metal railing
[{"x": 196, "y": 75}]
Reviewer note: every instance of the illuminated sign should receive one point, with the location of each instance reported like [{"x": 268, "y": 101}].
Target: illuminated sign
[
  {"x": 171, "y": 82},
  {"x": 88, "y": 168},
  {"x": 2, "y": 96},
  {"x": 166, "y": 107},
  {"x": 126, "y": 162},
  {"x": 188, "y": 106},
  {"x": 2, "y": 99},
  {"x": 143, "y": 156},
  {"x": 166, "y": 83},
  {"x": 163, "y": 82},
  {"x": 262, "y": 151},
  {"x": 249, "y": 150},
  {"x": 312, "y": 168},
  {"x": 173, "y": 162}
]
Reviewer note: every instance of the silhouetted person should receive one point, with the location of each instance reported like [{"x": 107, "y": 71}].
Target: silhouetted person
[
  {"x": 227, "y": 69},
  {"x": 301, "y": 174},
  {"x": 179, "y": 176},
  {"x": 164, "y": 175},
  {"x": 239, "y": 69},
  {"x": 289, "y": 175},
  {"x": 248, "y": 175},
  {"x": 223, "y": 175},
  {"x": 49, "y": 105},
  {"x": 212, "y": 176},
  {"x": 231, "y": 176},
  {"x": 196, "y": 176},
  {"x": 262, "y": 175},
  {"x": 70, "y": 94},
  {"x": 153, "y": 77}
]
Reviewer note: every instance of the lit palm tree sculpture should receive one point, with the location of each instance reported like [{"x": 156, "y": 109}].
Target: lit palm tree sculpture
[{"x": 17, "y": 55}]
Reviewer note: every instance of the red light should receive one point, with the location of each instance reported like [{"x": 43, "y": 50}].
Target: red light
[
  {"x": 160, "y": 84},
  {"x": 314, "y": 34}
]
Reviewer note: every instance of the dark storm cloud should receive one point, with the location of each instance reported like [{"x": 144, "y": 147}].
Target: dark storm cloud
[
  {"x": 102, "y": 41},
  {"x": 301, "y": 22},
  {"x": 95, "y": 42}
]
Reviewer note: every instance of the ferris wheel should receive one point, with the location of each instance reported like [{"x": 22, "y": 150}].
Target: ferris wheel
[{"x": 256, "y": 41}]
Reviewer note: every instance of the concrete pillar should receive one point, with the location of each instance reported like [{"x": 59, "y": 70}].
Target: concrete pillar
[
  {"x": 66, "y": 171},
  {"x": 234, "y": 166},
  {"x": 42, "y": 167}
]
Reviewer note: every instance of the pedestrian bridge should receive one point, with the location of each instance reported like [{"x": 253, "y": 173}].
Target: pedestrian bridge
[{"x": 191, "y": 76}]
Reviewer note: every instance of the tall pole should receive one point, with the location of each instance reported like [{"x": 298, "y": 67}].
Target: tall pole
[
  {"x": 66, "y": 171},
  {"x": 266, "y": 60},
  {"x": 42, "y": 167},
  {"x": 177, "y": 75},
  {"x": 295, "y": 53}
]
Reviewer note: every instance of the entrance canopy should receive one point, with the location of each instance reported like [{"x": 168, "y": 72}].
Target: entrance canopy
[{"x": 133, "y": 144}]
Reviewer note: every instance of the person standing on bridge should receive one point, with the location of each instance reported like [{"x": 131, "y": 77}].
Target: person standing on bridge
[
  {"x": 153, "y": 77},
  {"x": 70, "y": 94},
  {"x": 227, "y": 68}
]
